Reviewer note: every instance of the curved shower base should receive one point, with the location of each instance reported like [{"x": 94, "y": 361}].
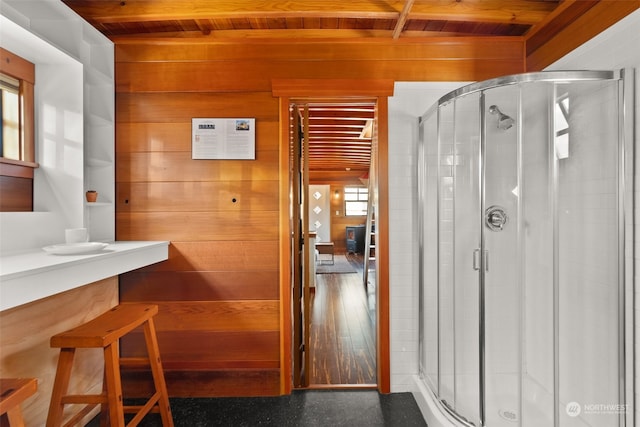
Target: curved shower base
[{"x": 437, "y": 415}]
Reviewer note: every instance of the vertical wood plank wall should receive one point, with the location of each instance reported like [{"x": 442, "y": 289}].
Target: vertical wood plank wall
[
  {"x": 219, "y": 292},
  {"x": 26, "y": 353}
]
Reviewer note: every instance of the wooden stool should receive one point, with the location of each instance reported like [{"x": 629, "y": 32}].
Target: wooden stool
[
  {"x": 104, "y": 332},
  {"x": 13, "y": 391}
]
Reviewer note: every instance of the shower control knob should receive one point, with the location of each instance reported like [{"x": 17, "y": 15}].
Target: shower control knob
[{"x": 495, "y": 218}]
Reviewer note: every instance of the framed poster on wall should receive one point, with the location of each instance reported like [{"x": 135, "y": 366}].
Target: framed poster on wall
[{"x": 229, "y": 139}]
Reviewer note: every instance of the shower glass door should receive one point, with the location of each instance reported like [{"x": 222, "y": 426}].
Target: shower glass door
[
  {"x": 459, "y": 177},
  {"x": 501, "y": 281}
]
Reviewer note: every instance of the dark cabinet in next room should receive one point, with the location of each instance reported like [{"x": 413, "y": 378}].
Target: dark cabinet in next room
[{"x": 355, "y": 238}]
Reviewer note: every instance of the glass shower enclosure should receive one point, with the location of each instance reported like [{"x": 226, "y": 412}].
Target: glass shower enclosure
[{"x": 526, "y": 304}]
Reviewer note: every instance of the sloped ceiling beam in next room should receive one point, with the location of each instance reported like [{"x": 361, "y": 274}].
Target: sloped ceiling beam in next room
[{"x": 338, "y": 136}]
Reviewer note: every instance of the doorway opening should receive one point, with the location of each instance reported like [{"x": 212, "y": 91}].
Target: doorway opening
[
  {"x": 295, "y": 171},
  {"x": 335, "y": 322}
]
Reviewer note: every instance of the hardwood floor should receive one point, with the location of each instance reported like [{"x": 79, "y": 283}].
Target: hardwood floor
[{"x": 343, "y": 347}]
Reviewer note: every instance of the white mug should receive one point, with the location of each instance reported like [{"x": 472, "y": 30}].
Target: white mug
[{"x": 76, "y": 235}]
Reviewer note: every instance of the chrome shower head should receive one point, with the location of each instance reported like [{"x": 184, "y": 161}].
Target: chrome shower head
[{"x": 504, "y": 122}]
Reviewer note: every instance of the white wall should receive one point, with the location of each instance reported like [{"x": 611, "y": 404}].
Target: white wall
[
  {"x": 320, "y": 212},
  {"x": 614, "y": 48},
  {"x": 58, "y": 182},
  {"x": 410, "y": 101},
  {"x": 74, "y": 132}
]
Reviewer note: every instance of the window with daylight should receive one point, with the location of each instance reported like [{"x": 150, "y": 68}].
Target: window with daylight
[
  {"x": 9, "y": 103},
  {"x": 355, "y": 201},
  {"x": 17, "y": 144},
  {"x": 561, "y": 125}
]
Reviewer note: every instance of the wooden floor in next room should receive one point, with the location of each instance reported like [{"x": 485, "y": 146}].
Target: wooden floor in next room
[{"x": 343, "y": 346}]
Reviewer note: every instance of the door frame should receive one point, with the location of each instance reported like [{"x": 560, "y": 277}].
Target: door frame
[{"x": 287, "y": 90}]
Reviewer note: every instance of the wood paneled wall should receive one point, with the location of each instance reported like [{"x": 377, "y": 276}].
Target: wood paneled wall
[
  {"x": 17, "y": 194},
  {"x": 219, "y": 292}
]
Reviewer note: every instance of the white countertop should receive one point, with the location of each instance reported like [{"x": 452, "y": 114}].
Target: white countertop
[{"x": 27, "y": 276}]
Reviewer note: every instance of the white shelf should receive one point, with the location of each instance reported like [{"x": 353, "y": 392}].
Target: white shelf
[
  {"x": 96, "y": 77},
  {"x": 99, "y": 163},
  {"x": 31, "y": 275}
]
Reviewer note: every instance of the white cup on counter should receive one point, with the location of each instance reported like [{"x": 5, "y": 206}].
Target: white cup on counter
[{"x": 76, "y": 235}]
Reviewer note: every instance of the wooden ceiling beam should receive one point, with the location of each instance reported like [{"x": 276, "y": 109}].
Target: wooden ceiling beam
[
  {"x": 145, "y": 10},
  {"x": 341, "y": 115},
  {"x": 338, "y": 163},
  {"x": 337, "y": 120},
  {"x": 341, "y": 154},
  {"x": 339, "y": 144},
  {"x": 500, "y": 11},
  {"x": 402, "y": 19},
  {"x": 336, "y": 157},
  {"x": 339, "y": 166},
  {"x": 326, "y": 158},
  {"x": 336, "y": 128},
  {"x": 342, "y": 141},
  {"x": 512, "y": 11},
  {"x": 339, "y": 140},
  {"x": 556, "y": 21}
]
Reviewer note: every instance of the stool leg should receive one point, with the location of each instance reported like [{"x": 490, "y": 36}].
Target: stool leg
[
  {"x": 15, "y": 417},
  {"x": 104, "y": 408},
  {"x": 156, "y": 370},
  {"x": 60, "y": 386},
  {"x": 114, "y": 385}
]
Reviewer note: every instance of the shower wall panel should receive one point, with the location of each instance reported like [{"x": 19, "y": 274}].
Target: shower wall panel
[
  {"x": 446, "y": 255},
  {"x": 537, "y": 258},
  {"x": 588, "y": 253},
  {"x": 429, "y": 262}
]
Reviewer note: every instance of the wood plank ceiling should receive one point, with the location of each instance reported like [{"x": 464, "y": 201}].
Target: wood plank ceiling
[
  {"x": 340, "y": 135},
  {"x": 339, "y": 139}
]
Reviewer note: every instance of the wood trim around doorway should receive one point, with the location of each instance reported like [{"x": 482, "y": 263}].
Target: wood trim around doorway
[{"x": 286, "y": 89}]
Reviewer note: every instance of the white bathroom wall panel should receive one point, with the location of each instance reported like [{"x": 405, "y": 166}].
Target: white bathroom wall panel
[{"x": 410, "y": 100}]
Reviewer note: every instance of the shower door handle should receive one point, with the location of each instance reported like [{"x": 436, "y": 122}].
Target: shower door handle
[{"x": 477, "y": 260}]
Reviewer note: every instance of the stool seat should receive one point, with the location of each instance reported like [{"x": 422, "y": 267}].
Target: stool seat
[
  {"x": 14, "y": 391},
  {"x": 105, "y": 332},
  {"x": 106, "y": 328}
]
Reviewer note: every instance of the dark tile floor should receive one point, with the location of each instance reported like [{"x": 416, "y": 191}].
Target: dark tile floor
[{"x": 301, "y": 408}]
